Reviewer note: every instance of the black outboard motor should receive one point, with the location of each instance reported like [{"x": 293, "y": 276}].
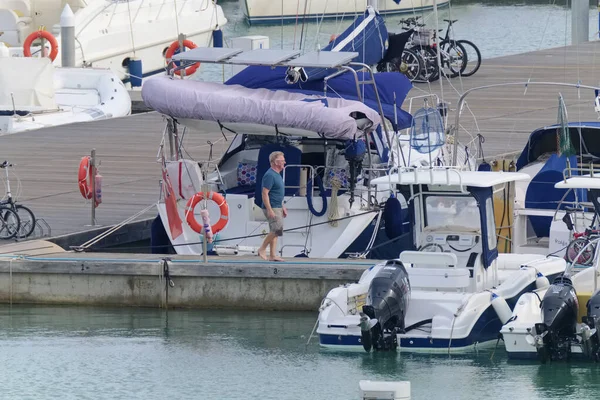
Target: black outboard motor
[
  {"x": 385, "y": 308},
  {"x": 590, "y": 336},
  {"x": 559, "y": 315}
]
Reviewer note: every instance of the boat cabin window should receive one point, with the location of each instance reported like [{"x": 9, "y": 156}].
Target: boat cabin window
[{"x": 452, "y": 213}]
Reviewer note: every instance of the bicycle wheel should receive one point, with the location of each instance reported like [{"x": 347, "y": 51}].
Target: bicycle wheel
[
  {"x": 409, "y": 64},
  {"x": 430, "y": 71},
  {"x": 27, "y": 220},
  {"x": 454, "y": 58},
  {"x": 575, "y": 247},
  {"x": 473, "y": 57},
  {"x": 9, "y": 223}
]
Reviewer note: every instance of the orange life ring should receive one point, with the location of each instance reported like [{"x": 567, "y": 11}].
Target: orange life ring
[
  {"x": 171, "y": 51},
  {"x": 223, "y": 207},
  {"x": 39, "y": 35},
  {"x": 85, "y": 177}
]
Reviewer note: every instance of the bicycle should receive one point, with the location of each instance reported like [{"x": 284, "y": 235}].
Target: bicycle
[
  {"x": 424, "y": 42},
  {"x": 25, "y": 216},
  {"x": 399, "y": 59},
  {"x": 473, "y": 55},
  {"x": 582, "y": 241}
]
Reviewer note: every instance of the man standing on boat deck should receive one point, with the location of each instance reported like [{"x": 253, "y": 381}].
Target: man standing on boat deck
[{"x": 272, "y": 197}]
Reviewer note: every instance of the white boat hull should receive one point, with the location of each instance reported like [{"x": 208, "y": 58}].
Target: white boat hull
[
  {"x": 78, "y": 95},
  {"x": 458, "y": 320},
  {"x": 527, "y": 313},
  {"x": 108, "y": 34},
  {"x": 274, "y": 11}
]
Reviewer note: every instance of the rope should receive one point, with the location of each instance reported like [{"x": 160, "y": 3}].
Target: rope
[
  {"x": 333, "y": 214},
  {"x": 245, "y": 237},
  {"x": 104, "y": 234}
]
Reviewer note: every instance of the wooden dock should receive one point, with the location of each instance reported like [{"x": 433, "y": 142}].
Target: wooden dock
[{"x": 48, "y": 159}]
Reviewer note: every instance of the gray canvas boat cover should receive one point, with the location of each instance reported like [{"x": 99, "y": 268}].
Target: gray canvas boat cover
[{"x": 334, "y": 118}]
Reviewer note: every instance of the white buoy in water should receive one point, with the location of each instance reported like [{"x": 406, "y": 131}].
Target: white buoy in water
[
  {"x": 541, "y": 282},
  {"x": 375, "y": 390},
  {"x": 501, "y": 307}
]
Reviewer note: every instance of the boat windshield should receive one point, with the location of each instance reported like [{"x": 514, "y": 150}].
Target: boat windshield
[{"x": 452, "y": 213}]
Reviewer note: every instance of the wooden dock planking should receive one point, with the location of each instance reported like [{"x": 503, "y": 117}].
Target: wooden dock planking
[
  {"x": 47, "y": 159},
  {"x": 505, "y": 115}
]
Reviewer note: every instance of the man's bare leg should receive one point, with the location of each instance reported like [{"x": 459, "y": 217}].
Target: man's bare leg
[
  {"x": 273, "y": 253},
  {"x": 262, "y": 251}
]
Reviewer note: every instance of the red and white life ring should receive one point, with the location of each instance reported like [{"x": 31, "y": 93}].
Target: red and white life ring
[
  {"x": 39, "y": 35},
  {"x": 85, "y": 177},
  {"x": 219, "y": 200},
  {"x": 173, "y": 48}
]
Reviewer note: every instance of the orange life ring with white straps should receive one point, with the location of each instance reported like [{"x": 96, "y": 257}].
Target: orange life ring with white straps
[
  {"x": 85, "y": 177},
  {"x": 39, "y": 35},
  {"x": 171, "y": 51},
  {"x": 223, "y": 207}
]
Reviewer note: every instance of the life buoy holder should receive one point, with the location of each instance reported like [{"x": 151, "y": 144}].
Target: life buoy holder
[
  {"x": 174, "y": 47},
  {"x": 39, "y": 35},
  {"x": 85, "y": 177},
  {"x": 219, "y": 200}
]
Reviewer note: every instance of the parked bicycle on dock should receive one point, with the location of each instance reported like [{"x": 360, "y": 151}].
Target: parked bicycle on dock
[{"x": 26, "y": 218}]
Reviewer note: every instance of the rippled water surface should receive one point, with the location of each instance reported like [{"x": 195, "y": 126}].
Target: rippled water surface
[{"x": 94, "y": 353}]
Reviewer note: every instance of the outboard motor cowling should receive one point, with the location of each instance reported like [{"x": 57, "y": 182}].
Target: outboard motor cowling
[
  {"x": 590, "y": 336},
  {"x": 559, "y": 315},
  {"x": 385, "y": 308}
]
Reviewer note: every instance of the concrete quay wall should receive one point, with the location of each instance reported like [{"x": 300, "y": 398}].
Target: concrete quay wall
[{"x": 144, "y": 283}]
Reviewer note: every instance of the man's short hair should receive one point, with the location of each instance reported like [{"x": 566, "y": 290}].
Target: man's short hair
[{"x": 273, "y": 156}]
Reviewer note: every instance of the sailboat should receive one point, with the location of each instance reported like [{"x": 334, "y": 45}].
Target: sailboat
[{"x": 336, "y": 122}]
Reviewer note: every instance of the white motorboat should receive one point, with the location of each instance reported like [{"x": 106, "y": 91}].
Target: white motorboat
[
  {"x": 453, "y": 293},
  {"x": 276, "y": 12},
  {"x": 110, "y": 33},
  {"x": 560, "y": 322},
  {"x": 34, "y": 94}
]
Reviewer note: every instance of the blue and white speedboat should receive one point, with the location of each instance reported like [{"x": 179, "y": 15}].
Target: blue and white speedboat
[{"x": 453, "y": 291}]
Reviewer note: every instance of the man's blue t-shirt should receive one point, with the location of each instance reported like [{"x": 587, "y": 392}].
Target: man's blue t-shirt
[{"x": 274, "y": 182}]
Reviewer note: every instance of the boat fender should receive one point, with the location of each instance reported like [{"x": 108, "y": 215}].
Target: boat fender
[
  {"x": 392, "y": 217},
  {"x": 206, "y": 224},
  {"x": 98, "y": 190},
  {"x": 171, "y": 52},
  {"x": 541, "y": 281},
  {"x": 309, "y": 197},
  {"x": 501, "y": 307},
  {"x": 135, "y": 72},
  {"x": 217, "y": 38},
  {"x": 85, "y": 177},
  {"x": 41, "y": 35},
  {"x": 223, "y": 207}
]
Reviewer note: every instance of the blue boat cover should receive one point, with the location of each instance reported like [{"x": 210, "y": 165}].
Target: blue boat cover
[
  {"x": 543, "y": 140},
  {"x": 541, "y": 192},
  {"x": 367, "y": 36}
]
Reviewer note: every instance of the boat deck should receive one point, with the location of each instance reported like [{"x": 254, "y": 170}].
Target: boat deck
[{"x": 47, "y": 160}]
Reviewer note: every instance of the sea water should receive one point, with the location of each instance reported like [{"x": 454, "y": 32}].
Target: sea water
[{"x": 127, "y": 353}]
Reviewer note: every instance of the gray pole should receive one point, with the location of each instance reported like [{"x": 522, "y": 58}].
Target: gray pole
[
  {"x": 580, "y": 21},
  {"x": 67, "y": 37},
  {"x": 373, "y": 3}
]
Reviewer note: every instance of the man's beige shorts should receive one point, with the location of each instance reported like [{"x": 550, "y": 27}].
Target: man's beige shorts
[{"x": 275, "y": 224}]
